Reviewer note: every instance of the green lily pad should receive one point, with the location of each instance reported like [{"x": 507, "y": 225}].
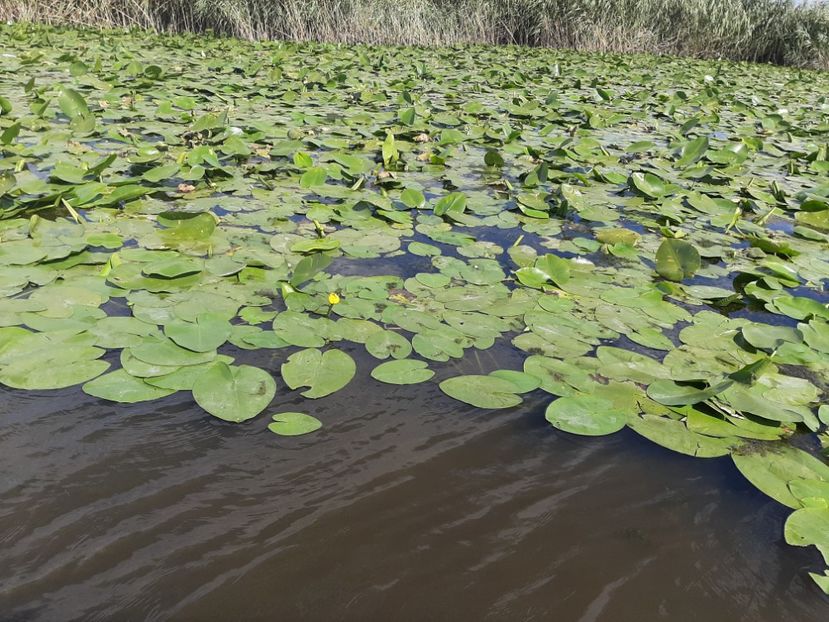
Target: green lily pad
[
  {"x": 182, "y": 378},
  {"x": 403, "y": 371},
  {"x": 157, "y": 351},
  {"x": 297, "y": 329},
  {"x": 119, "y": 386},
  {"x": 672, "y": 394},
  {"x": 585, "y": 414},
  {"x": 208, "y": 332},
  {"x": 810, "y": 492},
  {"x": 692, "y": 151},
  {"x": 808, "y": 526},
  {"x": 677, "y": 260},
  {"x": 42, "y": 361},
  {"x": 649, "y": 185},
  {"x": 40, "y": 374},
  {"x": 548, "y": 268},
  {"x": 294, "y": 424},
  {"x": 482, "y": 391},
  {"x": 524, "y": 382},
  {"x": 234, "y": 393},
  {"x": 673, "y": 435},
  {"x": 172, "y": 268},
  {"x": 323, "y": 372},
  {"x": 388, "y": 343},
  {"x": 771, "y": 470}
]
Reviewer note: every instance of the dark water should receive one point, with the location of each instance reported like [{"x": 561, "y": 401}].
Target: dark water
[{"x": 405, "y": 506}]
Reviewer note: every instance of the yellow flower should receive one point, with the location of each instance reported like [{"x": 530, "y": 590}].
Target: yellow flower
[{"x": 333, "y": 298}]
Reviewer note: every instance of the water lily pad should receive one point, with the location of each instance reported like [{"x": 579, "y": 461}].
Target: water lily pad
[
  {"x": 649, "y": 185},
  {"x": 41, "y": 373},
  {"x": 294, "y": 424},
  {"x": 822, "y": 581},
  {"x": 771, "y": 470},
  {"x": 165, "y": 352},
  {"x": 808, "y": 526},
  {"x": 182, "y": 378},
  {"x": 810, "y": 492},
  {"x": 585, "y": 414},
  {"x": 234, "y": 393},
  {"x": 524, "y": 382},
  {"x": 692, "y": 151},
  {"x": 482, "y": 391},
  {"x": 298, "y": 329},
  {"x": 766, "y": 337},
  {"x": 208, "y": 332},
  {"x": 673, "y": 435},
  {"x": 172, "y": 268},
  {"x": 672, "y": 394},
  {"x": 41, "y": 361},
  {"x": 388, "y": 343},
  {"x": 548, "y": 268},
  {"x": 119, "y": 386},
  {"x": 323, "y": 372},
  {"x": 677, "y": 260},
  {"x": 404, "y": 371}
]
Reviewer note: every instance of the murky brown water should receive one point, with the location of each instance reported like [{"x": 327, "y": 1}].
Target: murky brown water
[{"x": 406, "y": 506}]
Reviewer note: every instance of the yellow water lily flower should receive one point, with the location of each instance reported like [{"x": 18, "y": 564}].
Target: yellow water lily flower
[{"x": 333, "y": 298}]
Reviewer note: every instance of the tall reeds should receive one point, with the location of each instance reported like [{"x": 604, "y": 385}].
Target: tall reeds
[{"x": 779, "y": 31}]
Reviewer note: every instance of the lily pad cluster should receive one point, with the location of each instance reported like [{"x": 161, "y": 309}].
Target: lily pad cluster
[{"x": 651, "y": 236}]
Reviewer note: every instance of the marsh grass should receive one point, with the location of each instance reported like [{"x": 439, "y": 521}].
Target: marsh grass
[{"x": 777, "y": 31}]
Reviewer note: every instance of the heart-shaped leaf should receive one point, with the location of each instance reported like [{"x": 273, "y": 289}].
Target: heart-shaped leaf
[
  {"x": 323, "y": 372},
  {"x": 677, "y": 260},
  {"x": 234, "y": 393}
]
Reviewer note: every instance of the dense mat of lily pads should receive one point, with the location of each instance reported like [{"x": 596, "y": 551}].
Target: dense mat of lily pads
[{"x": 650, "y": 234}]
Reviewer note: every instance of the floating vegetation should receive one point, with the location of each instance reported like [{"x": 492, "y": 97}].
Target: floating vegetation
[{"x": 652, "y": 236}]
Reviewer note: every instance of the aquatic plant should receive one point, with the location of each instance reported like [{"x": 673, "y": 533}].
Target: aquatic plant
[{"x": 650, "y": 236}]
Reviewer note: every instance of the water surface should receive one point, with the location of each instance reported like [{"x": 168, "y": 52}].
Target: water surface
[{"x": 406, "y": 506}]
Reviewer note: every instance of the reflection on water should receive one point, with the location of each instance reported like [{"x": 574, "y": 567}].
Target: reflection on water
[{"x": 405, "y": 506}]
